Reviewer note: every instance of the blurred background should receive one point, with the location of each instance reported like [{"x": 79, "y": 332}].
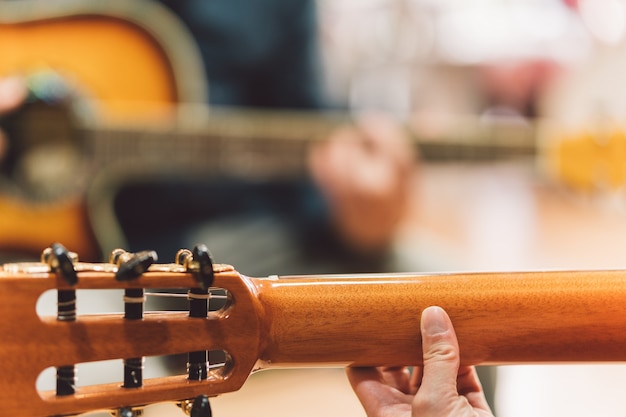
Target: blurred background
[{"x": 515, "y": 111}]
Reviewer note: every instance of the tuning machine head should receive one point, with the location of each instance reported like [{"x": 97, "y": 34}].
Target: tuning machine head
[
  {"x": 127, "y": 412},
  {"x": 196, "y": 407},
  {"x": 132, "y": 265},
  {"x": 61, "y": 261},
  {"x": 199, "y": 262}
]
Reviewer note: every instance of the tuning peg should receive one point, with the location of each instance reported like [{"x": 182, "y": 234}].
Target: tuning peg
[
  {"x": 135, "y": 265},
  {"x": 61, "y": 261},
  {"x": 202, "y": 266},
  {"x": 201, "y": 407},
  {"x": 197, "y": 407},
  {"x": 199, "y": 262},
  {"x": 183, "y": 257},
  {"x": 127, "y": 412}
]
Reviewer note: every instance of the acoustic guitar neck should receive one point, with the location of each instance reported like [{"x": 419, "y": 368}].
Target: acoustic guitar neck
[
  {"x": 360, "y": 320},
  {"x": 500, "y": 318}
]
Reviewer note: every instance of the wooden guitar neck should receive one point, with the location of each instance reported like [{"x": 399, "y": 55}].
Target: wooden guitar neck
[
  {"x": 500, "y": 318},
  {"x": 361, "y": 320}
]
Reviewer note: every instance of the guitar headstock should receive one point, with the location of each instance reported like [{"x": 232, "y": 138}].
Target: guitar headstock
[{"x": 33, "y": 342}]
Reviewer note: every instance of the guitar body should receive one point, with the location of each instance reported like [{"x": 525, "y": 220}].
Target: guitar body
[
  {"x": 111, "y": 60},
  {"x": 125, "y": 60}
]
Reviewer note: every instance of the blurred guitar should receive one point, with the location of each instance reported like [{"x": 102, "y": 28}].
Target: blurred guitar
[
  {"x": 131, "y": 89},
  {"x": 366, "y": 320},
  {"x": 125, "y": 58}
]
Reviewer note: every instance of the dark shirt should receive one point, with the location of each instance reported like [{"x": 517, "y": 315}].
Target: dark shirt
[{"x": 256, "y": 54}]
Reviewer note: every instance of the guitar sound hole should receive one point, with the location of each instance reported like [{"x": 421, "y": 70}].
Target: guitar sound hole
[{"x": 42, "y": 158}]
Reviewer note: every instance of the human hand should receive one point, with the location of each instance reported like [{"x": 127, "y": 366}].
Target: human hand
[
  {"x": 441, "y": 388},
  {"x": 365, "y": 171}
]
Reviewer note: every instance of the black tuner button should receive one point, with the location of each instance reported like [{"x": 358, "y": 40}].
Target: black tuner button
[
  {"x": 61, "y": 261},
  {"x": 201, "y": 407},
  {"x": 135, "y": 265},
  {"x": 202, "y": 266}
]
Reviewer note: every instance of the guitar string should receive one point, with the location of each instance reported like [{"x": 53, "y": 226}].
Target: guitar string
[{"x": 178, "y": 295}]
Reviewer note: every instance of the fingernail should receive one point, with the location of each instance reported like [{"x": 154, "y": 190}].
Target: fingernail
[{"x": 434, "y": 321}]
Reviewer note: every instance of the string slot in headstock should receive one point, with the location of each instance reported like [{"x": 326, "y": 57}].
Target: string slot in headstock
[
  {"x": 155, "y": 301},
  {"x": 111, "y": 372},
  {"x": 136, "y": 331}
]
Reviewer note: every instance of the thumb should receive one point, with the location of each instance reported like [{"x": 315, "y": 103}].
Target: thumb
[{"x": 441, "y": 355}]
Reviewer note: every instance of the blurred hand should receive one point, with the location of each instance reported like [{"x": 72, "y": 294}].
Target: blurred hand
[
  {"x": 364, "y": 171},
  {"x": 12, "y": 93},
  {"x": 441, "y": 388}
]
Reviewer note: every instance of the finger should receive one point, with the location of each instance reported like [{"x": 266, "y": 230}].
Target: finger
[
  {"x": 398, "y": 377},
  {"x": 387, "y": 138},
  {"x": 350, "y": 176},
  {"x": 374, "y": 394},
  {"x": 327, "y": 161},
  {"x": 441, "y": 354},
  {"x": 467, "y": 380},
  {"x": 358, "y": 375},
  {"x": 416, "y": 379},
  {"x": 468, "y": 385}
]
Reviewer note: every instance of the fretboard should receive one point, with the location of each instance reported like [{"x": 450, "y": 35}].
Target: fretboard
[
  {"x": 264, "y": 144},
  {"x": 251, "y": 144}
]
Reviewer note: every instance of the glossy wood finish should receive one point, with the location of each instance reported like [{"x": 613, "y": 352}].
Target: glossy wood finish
[
  {"x": 308, "y": 321},
  {"x": 31, "y": 344},
  {"x": 500, "y": 318}
]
